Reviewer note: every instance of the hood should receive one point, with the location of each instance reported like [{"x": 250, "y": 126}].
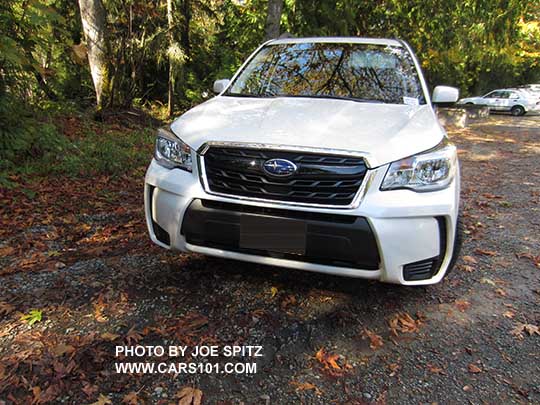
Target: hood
[{"x": 381, "y": 132}]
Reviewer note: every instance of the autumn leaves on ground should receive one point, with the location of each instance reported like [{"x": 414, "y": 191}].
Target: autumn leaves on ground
[{"x": 79, "y": 276}]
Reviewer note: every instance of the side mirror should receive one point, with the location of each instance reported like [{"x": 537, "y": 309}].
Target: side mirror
[
  {"x": 220, "y": 85},
  {"x": 445, "y": 94}
]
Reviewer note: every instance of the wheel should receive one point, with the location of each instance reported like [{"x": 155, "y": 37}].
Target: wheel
[
  {"x": 469, "y": 103},
  {"x": 458, "y": 241},
  {"x": 517, "y": 110}
]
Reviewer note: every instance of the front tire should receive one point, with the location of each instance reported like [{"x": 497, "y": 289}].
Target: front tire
[
  {"x": 458, "y": 241},
  {"x": 517, "y": 111}
]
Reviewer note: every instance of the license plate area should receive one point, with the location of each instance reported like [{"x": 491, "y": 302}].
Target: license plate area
[{"x": 273, "y": 234}]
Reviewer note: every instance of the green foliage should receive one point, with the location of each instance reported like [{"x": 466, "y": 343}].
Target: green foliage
[
  {"x": 25, "y": 135},
  {"x": 31, "y": 144},
  {"x": 112, "y": 152},
  {"x": 476, "y": 45},
  {"x": 33, "y": 316}
]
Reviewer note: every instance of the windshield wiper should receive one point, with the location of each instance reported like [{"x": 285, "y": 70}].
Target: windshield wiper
[
  {"x": 247, "y": 95},
  {"x": 360, "y": 100}
]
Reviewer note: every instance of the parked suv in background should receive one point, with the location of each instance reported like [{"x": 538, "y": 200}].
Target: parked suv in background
[
  {"x": 321, "y": 154},
  {"x": 516, "y": 101}
]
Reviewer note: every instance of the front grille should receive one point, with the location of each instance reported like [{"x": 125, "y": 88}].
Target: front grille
[{"x": 319, "y": 179}]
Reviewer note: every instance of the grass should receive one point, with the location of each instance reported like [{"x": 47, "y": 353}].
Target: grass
[
  {"x": 111, "y": 152},
  {"x": 72, "y": 144}
]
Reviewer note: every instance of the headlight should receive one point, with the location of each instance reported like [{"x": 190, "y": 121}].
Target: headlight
[
  {"x": 171, "y": 152},
  {"x": 428, "y": 171}
]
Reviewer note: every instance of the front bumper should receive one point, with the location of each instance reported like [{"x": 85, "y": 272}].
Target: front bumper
[{"x": 406, "y": 228}]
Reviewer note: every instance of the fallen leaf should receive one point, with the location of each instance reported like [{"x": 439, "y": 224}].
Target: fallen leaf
[
  {"x": 36, "y": 391},
  {"x": 474, "y": 369},
  {"x": 501, "y": 292},
  {"x": 89, "y": 389},
  {"x": 306, "y": 387},
  {"x": 467, "y": 388},
  {"x": 99, "y": 307},
  {"x": 131, "y": 398},
  {"x": 468, "y": 269},
  {"x": 469, "y": 259},
  {"x": 6, "y": 251},
  {"x": 509, "y": 314},
  {"x": 288, "y": 301},
  {"x": 394, "y": 368},
  {"x": 435, "y": 369},
  {"x": 488, "y": 281},
  {"x": 491, "y": 196},
  {"x": 5, "y": 308},
  {"x": 132, "y": 336},
  {"x": 375, "y": 341},
  {"x": 403, "y": 322},
  {"x": 273, "y": 292},
  {"x": 189, "y": 396},
  {"x": 328, "y": 360},
  {"x": 109, "y": 336},
  {"x": 527, "y": 255},
  {"x": 102, "y": 400},
  {"x": 485, "y": 252},
  {"x": 462, "y": 305},
  {"x": 61, "y": 349},
  {"x": 524, "y": 327},
  {"x": 531, "y": 329}
]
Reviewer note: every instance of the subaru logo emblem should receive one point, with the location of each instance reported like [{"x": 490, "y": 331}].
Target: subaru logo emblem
[{"x": 279, "y": 167}]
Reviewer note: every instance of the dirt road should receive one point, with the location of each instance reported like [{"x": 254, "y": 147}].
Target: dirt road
[{"x": 473, "y": 338}]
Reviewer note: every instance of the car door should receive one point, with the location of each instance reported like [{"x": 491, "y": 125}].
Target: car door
[
  {"x": 503, "y": 102},
  {"x": 514, "y": 98},
  {"x": 491, "y": 99}
]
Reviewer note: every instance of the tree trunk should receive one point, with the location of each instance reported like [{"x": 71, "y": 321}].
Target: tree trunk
[
  {"x": 94, "y": 20},
  {"x": 273, "y": 19},
  {"x": 170, "y": 23},
  {"x": 186, "y": 13}
]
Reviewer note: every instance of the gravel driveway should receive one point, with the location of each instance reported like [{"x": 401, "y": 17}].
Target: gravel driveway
[{"x": 99, "y": 283}]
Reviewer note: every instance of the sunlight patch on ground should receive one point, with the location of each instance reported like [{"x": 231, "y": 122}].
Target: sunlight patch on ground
[{"x": 530, "y": 148}]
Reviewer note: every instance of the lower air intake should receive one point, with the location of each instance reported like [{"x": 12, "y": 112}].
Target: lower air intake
[{"x": 422, "y": 270}]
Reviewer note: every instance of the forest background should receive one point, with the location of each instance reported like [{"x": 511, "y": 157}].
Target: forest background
[{"x": 88, "y": 60}]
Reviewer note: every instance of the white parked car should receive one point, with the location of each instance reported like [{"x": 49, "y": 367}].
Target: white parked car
[
  {"x": 516, "y": 101},
  {"x": 531, "y": 87},
  {"x": 321, "y": 154}
]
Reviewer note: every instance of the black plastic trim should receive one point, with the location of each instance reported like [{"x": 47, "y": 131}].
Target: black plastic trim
[
  {"x": 161, "y": 234},
  {"x": 335, "y": 240}
]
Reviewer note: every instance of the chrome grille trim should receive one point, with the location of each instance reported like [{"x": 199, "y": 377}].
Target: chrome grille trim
[{"x": 355, "y": 203}]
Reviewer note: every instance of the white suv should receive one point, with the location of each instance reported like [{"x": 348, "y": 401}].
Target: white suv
[{"x": 321, "y": 154}]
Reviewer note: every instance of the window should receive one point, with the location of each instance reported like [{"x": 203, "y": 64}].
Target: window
[
  {"x": 494, "y": 94},
  {"x": 362, "y": 72}
]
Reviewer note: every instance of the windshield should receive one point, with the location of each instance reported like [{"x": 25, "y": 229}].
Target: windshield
[{"x": 361, "y": 72}]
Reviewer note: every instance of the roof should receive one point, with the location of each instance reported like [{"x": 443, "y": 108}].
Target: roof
[{"x": 341, "y": 40}]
